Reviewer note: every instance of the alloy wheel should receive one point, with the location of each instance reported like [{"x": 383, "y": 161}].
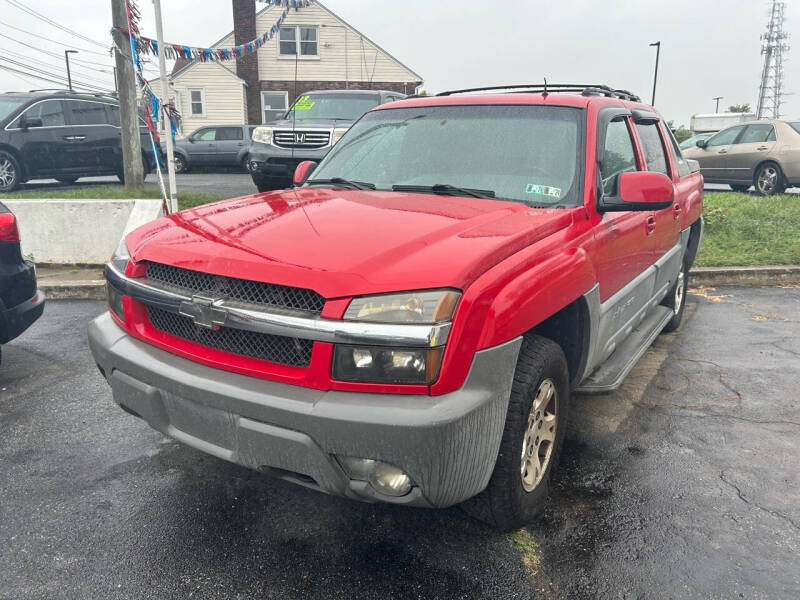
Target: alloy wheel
[
  {"x": 767, "y": 179},
  {"x": 8, "y": 174},
  {"x": 540, "y": 435}
]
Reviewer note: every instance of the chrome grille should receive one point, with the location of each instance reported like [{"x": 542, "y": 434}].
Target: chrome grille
[
  {"x": 301, "y": 138},
  {"x": 273, "y": 348},
  {"x": 243, "y": 290}
]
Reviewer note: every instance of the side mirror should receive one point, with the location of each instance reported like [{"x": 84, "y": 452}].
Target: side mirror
[
  {"x": 303, "y": 170},
  {"x": 29, "y": 123},
  {"x": 640, "y": 191},
  {"x": 701, "y": 144},
  {"x": 190, "y": 139}
]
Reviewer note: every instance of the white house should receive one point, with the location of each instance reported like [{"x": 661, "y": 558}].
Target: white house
[{"x": 324, "y": 51}]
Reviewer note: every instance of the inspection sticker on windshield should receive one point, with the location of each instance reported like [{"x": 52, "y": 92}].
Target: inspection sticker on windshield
[
  {"x": 543, "y": 190},
  {"x": 304, "y": 103}
]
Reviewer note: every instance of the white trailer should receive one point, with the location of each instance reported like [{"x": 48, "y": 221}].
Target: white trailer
[{"x": 713, "y": 122}]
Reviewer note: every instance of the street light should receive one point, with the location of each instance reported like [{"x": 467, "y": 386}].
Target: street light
[
  {"x": 66, "y": 57},
  {"x": 718, "y": 98},
  {"x": 655, "y": 77}
]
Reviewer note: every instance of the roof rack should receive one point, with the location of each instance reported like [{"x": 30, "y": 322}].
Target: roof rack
[
  {"x": 584, "y": 89},
  {"x": 74, "y": 92}
]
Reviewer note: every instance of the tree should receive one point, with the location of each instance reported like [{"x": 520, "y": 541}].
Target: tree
[
  {"x": 739, "y": 108},
  {"x": 680, "y": 133}
]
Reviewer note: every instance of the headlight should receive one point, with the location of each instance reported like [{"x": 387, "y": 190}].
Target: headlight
[
  {"x": 263, "y": 135},
  {"x": 337, "y": 134},
  {"x": 429, "y": 306},
  {"x": 372, "y": 364}
]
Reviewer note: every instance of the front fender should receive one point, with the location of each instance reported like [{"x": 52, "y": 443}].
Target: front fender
[{"x": 537, "y": 294}]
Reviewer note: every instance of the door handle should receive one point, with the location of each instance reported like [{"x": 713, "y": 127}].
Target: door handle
[
  {"x": 650, "y": 226},
  {"x": 763, "y": 148},
  {"x": 722, "y": 152},
  {"x": 676, "y": 211}
]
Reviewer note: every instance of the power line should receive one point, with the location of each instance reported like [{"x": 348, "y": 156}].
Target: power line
[
  {"x": 55, "y": 54},
  {"x": 49, "y": 74},
  {"x": 40, "y": 78},
  {"x": 47, "y": 39},
  {"x": 86, "y": 80},
  {"x": 49, "y": 21},
  {"x": 88, "y": 75}
]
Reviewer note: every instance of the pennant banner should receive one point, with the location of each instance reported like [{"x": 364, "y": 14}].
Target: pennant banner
[{"x": 147, "y": 45}]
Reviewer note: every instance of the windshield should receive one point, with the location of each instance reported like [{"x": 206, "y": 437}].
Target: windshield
[
  {"x": 795, "y": 126},
  {"x": 340, "y": 107},
  {"x": 527, "y": 154},
  {"x": 8, "y": 106}
]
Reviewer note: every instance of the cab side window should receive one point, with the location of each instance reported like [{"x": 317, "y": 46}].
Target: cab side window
[
  {"x": 619, "y": 156},
  {"x": 683, "y": 166},
  {"x": 205, "y": 135},
  {"x": 726, "y": 136},
  {"x": 654, "y": 154},
  {"x": 49, "y": 112},
  {"x": 229, "y": 134}
]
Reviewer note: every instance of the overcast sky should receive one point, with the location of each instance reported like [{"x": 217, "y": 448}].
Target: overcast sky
[{"x": 706, "y": 50}]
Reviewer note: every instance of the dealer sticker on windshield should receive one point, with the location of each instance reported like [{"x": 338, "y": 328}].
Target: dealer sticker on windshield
[
  {"x": 304, "y": 103},
  {"x": 543, "y": 190}
]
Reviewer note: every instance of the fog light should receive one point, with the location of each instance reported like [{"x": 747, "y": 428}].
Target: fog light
[
  {"x": 115, "y": 302},
  {"x": 383, "y": 477}
]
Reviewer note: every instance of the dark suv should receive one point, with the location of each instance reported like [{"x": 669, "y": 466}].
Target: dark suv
[
  {"x": 61, "y": 135},
  {"x": 311, "y": 127}
]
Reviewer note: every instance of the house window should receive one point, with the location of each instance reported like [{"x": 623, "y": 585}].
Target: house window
[
  {"x": 197, "y": 102},
  {"x": 299, "y": 40},
  {"x": 274, "y": 104}
]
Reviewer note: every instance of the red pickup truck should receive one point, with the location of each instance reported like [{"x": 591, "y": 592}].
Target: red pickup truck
[{"x": 406, "y": 325}]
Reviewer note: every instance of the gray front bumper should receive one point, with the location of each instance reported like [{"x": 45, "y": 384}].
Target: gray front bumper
[{"x": 447, "y": 444}]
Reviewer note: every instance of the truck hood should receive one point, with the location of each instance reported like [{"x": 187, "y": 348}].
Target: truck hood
[{"x": 347, "y": 242}]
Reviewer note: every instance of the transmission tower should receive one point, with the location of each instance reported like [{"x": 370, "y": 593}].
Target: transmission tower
[{"x": 773, "y": 47}]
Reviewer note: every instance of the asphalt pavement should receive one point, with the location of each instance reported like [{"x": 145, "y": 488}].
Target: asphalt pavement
[{"x": 683, "y": 484}]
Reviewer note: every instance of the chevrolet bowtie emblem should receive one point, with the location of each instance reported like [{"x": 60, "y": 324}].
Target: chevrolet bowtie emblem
[{"x": 202, "y": 310}]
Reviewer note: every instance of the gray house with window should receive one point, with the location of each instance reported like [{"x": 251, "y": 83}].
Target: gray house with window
[{"x": 324, "y": 51}]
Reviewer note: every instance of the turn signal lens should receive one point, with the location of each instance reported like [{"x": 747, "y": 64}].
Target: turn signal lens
[
  {"x": 337, "y": 135},
  {"x": 427, "y": 306}
]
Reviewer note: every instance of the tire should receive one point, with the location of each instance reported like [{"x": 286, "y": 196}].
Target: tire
[
  {"x": 739, "y": 188},
  {"x": 10, "y": 172},
  {"x": 518, "y": 489},
  {"x": 676, "y": 300},
  {"x": 245, "y": 160},
  {"x": 67, "y": 180},
  {"x": 769, "y": 180},
  {"x": 180, "y": 164}
]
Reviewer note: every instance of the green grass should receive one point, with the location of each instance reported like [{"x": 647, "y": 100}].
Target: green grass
[
  {"x": 185, "y": 199},
  {"x": 750, "y": 230}
]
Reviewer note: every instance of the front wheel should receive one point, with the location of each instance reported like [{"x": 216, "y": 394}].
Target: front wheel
[
  {"x": 9, "y": 172},
  {"x": 769, "y": 180},
  {"x": 532, "y": 439},
  {"x": 180, "y": 164}
]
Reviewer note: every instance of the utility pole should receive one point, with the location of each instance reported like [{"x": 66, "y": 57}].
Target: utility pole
[
  {"x": 162, "y": 67},
  {"x": 655, "y": 77},
  {"x": 718, "y": 98},
  {"x": 69, "y": 76},
  {"x": 132, "y": 166}
]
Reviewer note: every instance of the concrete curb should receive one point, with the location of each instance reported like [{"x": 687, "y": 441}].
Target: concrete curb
[
  {"x": 745, "y": 276},
  {"x": 95, "y": 289}
]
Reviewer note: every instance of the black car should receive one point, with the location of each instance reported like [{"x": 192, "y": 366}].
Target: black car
[
  {"x": 61, "y": 135},
  {"x": 21, "y": 303}
]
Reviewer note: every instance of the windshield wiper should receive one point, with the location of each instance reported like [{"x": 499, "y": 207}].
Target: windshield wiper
[
  {"x": 444, "y": 188},
  {"x": 341, "y": 182}
]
